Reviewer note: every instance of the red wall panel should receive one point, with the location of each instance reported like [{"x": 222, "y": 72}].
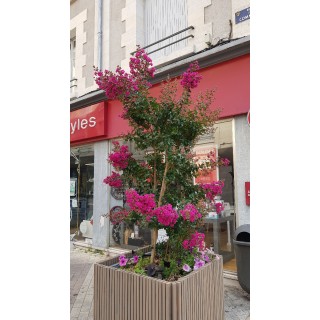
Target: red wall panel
[{"x": 230, "y": 79}]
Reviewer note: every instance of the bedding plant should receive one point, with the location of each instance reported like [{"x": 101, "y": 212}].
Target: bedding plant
[{"x": 160, "y": 192}]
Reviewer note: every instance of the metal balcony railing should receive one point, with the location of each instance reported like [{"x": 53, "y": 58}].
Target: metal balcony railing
[
  {"x": 73, "y": 87},
  {"x": 73, "y": 83},
  {"x": 168, "y": 37}
]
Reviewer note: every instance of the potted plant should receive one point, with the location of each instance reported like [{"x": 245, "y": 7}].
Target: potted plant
[{"x": 180, "y": 279}]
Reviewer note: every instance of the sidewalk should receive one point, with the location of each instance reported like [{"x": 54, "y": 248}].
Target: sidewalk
[{"x": 237, "y": 302}]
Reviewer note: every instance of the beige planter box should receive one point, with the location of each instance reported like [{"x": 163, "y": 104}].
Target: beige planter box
[{"x": 121, "y": 295}]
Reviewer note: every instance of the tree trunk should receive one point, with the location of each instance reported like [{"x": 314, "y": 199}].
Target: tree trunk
[
  {"x": 154, "y": 238},
  {"x": 155, "y": 231}
]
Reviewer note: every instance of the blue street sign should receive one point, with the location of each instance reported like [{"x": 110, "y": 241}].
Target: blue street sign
[{"x": 242, "y": 15}]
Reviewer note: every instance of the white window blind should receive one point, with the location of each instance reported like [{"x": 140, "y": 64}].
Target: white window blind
[
  {"x": 72, "y": 58},
  {"x": 162, "y": 19}
]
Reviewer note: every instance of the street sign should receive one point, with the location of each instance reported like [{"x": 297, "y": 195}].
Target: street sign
[{"x": 242, "y": 15}]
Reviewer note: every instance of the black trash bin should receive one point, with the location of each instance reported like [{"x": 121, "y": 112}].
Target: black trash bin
[{"x": 242, "y": 250}]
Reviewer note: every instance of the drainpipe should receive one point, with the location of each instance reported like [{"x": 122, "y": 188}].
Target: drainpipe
[{"x": 99, "y": 34}]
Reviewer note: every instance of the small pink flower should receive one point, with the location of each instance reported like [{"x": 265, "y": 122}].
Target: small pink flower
[
  {"x": 190, "y": 213},
  {"x": 191, "y": 78},
  {"x": 206, "y": 258},
  {"x": 198, "y": 264},
  {"x": 185, "y": 244},
  {"x": 225, "y": 161},
  {"x": 186, "y": 268},
  {"x": 212, "y": 189},
  {"x": 219, "y": 207}
]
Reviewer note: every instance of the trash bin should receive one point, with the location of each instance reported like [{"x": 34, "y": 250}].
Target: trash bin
[{"x": 242, "y": 251}]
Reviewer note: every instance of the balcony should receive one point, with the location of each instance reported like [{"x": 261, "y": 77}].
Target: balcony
[{"x": 73, "y": 89}]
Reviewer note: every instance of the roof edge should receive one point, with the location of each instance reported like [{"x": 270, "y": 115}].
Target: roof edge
[{"x": 209, "y": 57}]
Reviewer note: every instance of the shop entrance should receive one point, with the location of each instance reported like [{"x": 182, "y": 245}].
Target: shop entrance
[{"x": 81, "y": 188}]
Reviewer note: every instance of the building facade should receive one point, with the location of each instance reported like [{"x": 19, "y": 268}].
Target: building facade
[{"x": 174, "y": 33}]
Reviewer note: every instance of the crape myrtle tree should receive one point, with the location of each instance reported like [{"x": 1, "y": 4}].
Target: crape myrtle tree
[{"x": 160, "y": 191}]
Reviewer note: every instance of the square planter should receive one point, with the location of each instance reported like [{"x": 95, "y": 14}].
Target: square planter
[{"x": 122, "y": 295}]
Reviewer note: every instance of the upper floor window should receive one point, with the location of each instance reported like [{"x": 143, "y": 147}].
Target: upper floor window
[
  {"x": 72, "y": 58},
  {"x": 162, "y": 19}
]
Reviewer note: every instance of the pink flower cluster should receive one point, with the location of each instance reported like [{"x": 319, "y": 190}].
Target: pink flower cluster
[
  {"x": 196, "y": 241},
  {"x": 120, "y": 157},
  {"x": 211, "y": 156},
  {"x": 120, "y": 85},
  {"x": 214, "y": 162},
  {"x": 143, "y": 204},
  {"x": 141, "y": 66},
  {"x": 166, "y": 215},
  {"x": 116, "y": 85},
  {"x": 190, "y": 213},
  {"x": 219, "y": 207},
  {"x": 191, "y": 78},
  {"x": 224, "y": 161},
  {"x": 117, "y": 217},
  {"x": 114, "y": 180},
  {"x": 212, "y": 189}
]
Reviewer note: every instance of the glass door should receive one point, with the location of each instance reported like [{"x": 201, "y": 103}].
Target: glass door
[{"x": 81, "y": 188}]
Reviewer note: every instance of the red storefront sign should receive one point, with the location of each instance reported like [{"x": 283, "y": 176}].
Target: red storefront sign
[
  {"x": 88, "y": 123},
  {"x": 231, "y": 79},
  {"x": 247, "y": 190}
]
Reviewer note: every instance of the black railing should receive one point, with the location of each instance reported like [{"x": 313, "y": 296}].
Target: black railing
[
  {"x": 168, "y": 37},
  {"x": 74, "y": 85}
]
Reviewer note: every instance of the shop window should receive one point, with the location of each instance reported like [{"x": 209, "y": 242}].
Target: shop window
[
  {"x": 81, "y": 185},
  {"x": 218, "y": 231}
]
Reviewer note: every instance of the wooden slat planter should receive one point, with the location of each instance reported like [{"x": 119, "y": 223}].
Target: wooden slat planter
[{"x": 122, "y": 295}]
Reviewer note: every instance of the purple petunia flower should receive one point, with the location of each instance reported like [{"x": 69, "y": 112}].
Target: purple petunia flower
[
  {"x": 199, "y": 263},
  {"x": 186, "y": 268},
  {"x": 205, "y": 258},
  {"x": 135, "y": 259},
  {"x": 122, "y": 261}
]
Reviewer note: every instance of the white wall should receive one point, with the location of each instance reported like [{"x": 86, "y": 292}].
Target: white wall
[
  {"x": 82, "y": 26},
  {"x": 113, "y": 28},
  {"x": 241, "y": 159},
  {"x": 101, "y": 197}
]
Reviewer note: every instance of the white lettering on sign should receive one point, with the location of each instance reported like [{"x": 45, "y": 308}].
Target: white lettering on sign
[
  {"x": 82, "y": 124},
  {"x": 244, "y": 18}
]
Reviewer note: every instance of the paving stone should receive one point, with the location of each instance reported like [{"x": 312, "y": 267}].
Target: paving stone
[
  {"x": 237, "y": 303},
  {"x": 75, "y": 312},
  {"x": 83, "y": 316}
]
